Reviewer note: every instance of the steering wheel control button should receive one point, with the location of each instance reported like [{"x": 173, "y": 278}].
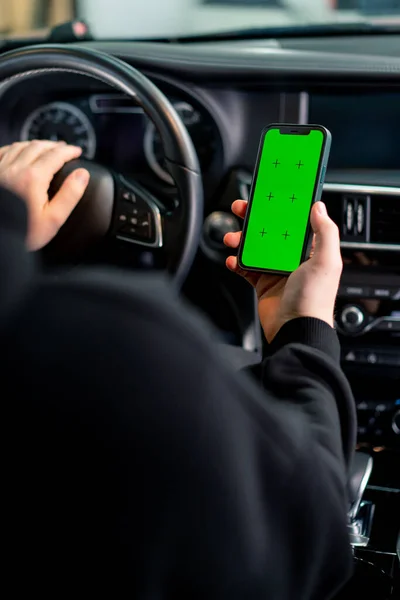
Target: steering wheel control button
[
  {"x": 128, "y": 196},
  {"x": 138, "y": 218}
]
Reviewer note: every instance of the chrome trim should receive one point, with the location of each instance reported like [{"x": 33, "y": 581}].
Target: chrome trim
[
  {"x": 105, "y": 111},
  {"x": 362, "y": 189},
  {"x": 371, "y": 246},
  {"x": 368, "y": 220},
  {"x": 380, "y": 320},
  {"x": 363, "y": 486},
  {"x": 395, "y": 427},
  {"x": 368, "y": 190},
  {"x": 380, "y": 488},
  {"x": 359, "y": 529},
  {"x": 357, "y": 311},
  {"x": 367, "y": 328},
  {"x": 304, "y": 105},
  {"x": 67, "y": 107},
  {"x": 158, "y": 242}
]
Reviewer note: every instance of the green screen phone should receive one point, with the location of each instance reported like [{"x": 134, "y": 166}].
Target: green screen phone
[{"x": 288, "y": 179}]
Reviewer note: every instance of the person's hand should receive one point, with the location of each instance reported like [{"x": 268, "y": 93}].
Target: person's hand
[
  {"x": 310, "y": 291},
  {"x": 27, "y": 169}
]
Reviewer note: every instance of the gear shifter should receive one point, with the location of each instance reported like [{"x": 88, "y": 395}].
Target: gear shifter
[{"x": 360, "y": 513}]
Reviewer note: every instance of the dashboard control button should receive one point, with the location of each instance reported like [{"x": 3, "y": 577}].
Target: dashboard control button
[
  {"x": 352, "y": 318},
  {"x": 382, "y": 292},
  {"x": 351, "y": 357},
  {"x": 365, "y": 405},
  {"x": 372, "y": 358},
  {"x": 355, "y": 291}
]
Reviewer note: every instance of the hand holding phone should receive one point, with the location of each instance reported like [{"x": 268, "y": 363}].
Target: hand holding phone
[
  {"x": 308, "y": 292},
  {"x": 288, "y": 179}
]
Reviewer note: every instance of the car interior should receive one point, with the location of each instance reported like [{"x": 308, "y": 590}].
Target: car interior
[{"x": 170, "y": 131}]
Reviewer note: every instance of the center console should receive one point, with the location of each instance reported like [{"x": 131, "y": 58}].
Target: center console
[{"x": 368, "y": 323}]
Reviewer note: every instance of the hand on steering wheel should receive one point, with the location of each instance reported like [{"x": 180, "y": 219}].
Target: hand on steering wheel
[{"x": 27, "y": 169}]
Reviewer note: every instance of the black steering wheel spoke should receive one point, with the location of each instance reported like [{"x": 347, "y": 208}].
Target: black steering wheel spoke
[{"x": 138, "y": 216}]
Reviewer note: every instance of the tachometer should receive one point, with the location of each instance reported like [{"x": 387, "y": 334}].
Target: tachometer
[{"x": 61, "y": 121}]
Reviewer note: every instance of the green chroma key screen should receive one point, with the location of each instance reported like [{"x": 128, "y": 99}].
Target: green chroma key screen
[{"x": 282, "y": 198}]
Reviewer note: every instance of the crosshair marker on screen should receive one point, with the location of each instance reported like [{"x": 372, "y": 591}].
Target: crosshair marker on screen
[
  {"x": 276, "y": 163},
  {"x": 293, "y": 198},
  {"x": 286, "y": 235},
  {"x": 270, "y": 196},
  {"x": 263, "y": 232},
  {"x": 300, "y": 164}
]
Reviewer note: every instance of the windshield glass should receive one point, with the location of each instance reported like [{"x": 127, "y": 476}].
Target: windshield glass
[{"x": 138, "y": 19}]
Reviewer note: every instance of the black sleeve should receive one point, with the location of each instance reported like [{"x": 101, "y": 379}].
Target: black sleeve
[{"x": 151, "y": 467}]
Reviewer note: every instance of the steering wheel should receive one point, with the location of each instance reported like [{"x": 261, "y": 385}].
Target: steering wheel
[{"x": 112, "y": 205}]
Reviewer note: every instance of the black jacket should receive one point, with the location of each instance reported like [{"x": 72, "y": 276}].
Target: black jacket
[{"x": 138, "y": 465}]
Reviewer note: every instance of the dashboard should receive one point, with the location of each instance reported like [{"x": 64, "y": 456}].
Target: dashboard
[{"x": 111, "y": 130}]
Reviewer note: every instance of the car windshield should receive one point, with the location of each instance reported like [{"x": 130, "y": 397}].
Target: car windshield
[{"x": 140, "y": 19}]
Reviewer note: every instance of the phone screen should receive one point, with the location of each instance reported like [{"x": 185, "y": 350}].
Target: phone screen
[{"x": 282, "y": 197}]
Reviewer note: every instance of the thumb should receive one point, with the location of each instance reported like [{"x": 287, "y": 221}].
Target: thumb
[
  {"x": 68, "y": 197},
  {"x": 327, "y": 241}
]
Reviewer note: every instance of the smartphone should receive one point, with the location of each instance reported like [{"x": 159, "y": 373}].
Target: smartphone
[{"x": 288, "y": 178}]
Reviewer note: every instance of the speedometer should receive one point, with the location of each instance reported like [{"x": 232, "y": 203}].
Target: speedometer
[{"x": 61, "y": 121}]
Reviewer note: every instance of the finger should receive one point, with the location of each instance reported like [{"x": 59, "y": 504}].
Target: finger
[
  {"x": 232, "y": 264},
  {"x": 51, "y": 161},
  {"x": 13, "y": 151},
  {"x": 232, "y": 239},
  {"x": 66, "y": 199},
  {"x": 35, "y": 149},
  {"x": 312, "y": 249},
  {"x": 327, "y": 241},
  {"x": 239, "y": 208},
  {"x": 4, "y": 151}
]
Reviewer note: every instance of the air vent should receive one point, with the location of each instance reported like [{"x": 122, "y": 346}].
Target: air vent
[
  {"x": 385, "y": 219},
  {"x": 367, "y": 216}
]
